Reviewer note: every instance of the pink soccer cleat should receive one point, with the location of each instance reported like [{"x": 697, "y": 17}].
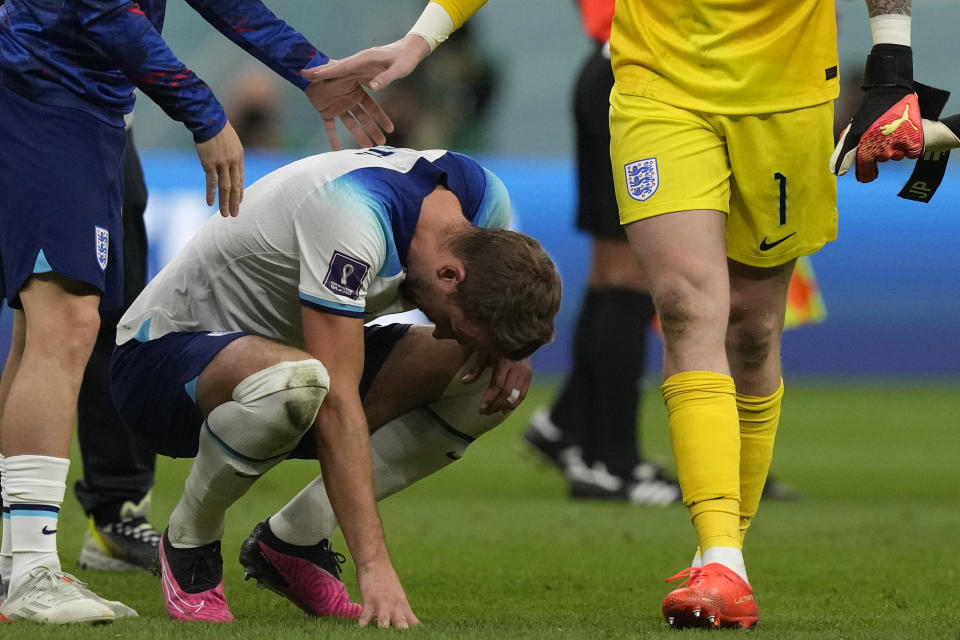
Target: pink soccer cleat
[
  {"x": 306, "y": 576},
  {"x": 192, "y": 582}
]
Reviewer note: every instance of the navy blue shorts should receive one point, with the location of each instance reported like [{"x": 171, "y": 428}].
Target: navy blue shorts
[
  {"x": 60, "y": 197},
  {"x": 153, "y": 385}
]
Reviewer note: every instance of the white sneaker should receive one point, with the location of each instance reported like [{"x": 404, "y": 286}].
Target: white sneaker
[
  {"x": 52, "y": 596},
  {"x": 119, "y": 609},
  {"x": 653, "y": 492}
]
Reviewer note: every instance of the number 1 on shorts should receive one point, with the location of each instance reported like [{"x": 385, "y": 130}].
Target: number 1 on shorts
[{"x": 782, "y": 179}]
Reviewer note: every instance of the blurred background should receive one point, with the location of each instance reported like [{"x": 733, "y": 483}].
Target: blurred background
[{"x": 501, "y": 88}]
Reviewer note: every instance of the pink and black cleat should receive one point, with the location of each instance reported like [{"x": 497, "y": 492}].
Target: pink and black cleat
[
  {"x": 192, "y": 582},
  {"x": 309, "y": 577}
]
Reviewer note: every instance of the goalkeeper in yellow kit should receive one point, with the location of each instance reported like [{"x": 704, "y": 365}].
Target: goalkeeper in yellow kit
[
  {"x": 721, "y": 128},
  {"x": 721, "y": 136}
]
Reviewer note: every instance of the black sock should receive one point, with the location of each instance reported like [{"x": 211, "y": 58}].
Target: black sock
[
  {"x": 618, "y": 354},
  {"x": 571, "y": 410}
]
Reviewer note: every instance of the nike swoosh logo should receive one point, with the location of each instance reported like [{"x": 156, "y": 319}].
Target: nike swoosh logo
[
  {"x": 47, "y": 532},
  {"x": 766, "y": 246}
]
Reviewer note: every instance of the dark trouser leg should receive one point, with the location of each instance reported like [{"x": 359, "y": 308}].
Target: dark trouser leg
[
  {"x": 116, "y": 467},
  {"x": 619, "y": 351},
  {"x": 573, "y": 408},
  {"x": 597, "y": 408}
]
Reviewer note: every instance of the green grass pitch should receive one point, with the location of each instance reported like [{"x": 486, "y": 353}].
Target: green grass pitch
[{"x": 492, "y": 548}]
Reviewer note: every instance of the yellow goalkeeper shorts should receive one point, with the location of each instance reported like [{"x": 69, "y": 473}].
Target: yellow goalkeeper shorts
[{"x": 769, "y": 173}]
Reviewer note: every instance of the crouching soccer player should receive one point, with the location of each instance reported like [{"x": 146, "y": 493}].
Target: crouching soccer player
[{"x": 252, "y": 343}]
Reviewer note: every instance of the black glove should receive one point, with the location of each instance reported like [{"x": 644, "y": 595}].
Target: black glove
[{"x": 887, "y": 125}]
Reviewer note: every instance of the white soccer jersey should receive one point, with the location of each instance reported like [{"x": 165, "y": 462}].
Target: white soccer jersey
[{"x": 330, "y": 231}]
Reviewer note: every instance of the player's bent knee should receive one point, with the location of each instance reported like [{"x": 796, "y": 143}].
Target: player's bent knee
[
  {"x": 68, "y": 342},
  {"x": 752, "y": 346},
  {"x": 282, "y": 401},
  {"x": 683, "y": 310},
  {"x": 290, "y": 392},
  {"x": 752, "y": 356}
]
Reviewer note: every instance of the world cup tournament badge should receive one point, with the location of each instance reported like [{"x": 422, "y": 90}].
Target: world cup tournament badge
[
  {"x": 642, "y": 178},
  {"x": 103, "y": 246},
  {"x": 345, "y": 275}
]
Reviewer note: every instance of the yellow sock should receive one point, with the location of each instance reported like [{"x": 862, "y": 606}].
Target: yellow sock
[
  {"x": 706, "y": 448},
  {"x": 759, "y": 418}
]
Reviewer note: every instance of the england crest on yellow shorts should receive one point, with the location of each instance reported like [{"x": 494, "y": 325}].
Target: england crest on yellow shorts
[{"x": 642, "y": 178}]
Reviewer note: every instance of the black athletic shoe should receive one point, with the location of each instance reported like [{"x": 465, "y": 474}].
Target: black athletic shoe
[
  {"x": 649, "y": 485},
  {"x": 307, "y": 576},
  {"x": 550, "y": 443},
  {"x": 129, "y": 544}
]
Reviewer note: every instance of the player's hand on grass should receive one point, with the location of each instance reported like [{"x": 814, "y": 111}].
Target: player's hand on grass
[
  {"x": 941, "y": 135},
  {"x": 384, "y": 602},
  {"x": 887, "y": 125},
  {"x": 376, "y": 67},
  {"x": 222, "y": 160},
  {"x": 509, "y": 382},
  {"x": 344, "y": 97}
]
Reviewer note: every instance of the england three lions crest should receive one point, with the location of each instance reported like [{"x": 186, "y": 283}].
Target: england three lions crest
[
  {"x": 642, "y": 178},
  {"x": 103, "y": 246}
]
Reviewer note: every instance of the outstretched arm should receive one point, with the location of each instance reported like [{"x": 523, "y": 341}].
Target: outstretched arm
[
  {"x": 887, "y": 126},
  {"x": 129, "y": 40},
  {"x": 379, "y": 66},
  {"x": 343, "y": 446},
  {"x": 254, "y": 28}
]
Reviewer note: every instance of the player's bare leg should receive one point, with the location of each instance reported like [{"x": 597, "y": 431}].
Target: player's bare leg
[
  {"x": 51, "y": 345},
  {"x": 589, "y": 432},
  {"x": 259, "y": 397},
  {"x": 683, "y": 256}
]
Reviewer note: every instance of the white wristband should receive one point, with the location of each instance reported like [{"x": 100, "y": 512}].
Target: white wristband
[
  {"x": 891, "y": 28},
  {"x": 434, "y": 25}
]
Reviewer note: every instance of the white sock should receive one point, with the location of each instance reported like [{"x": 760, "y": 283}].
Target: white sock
[
  {"x": 308, "y": 518},
  {"x": 730, "y": 557},
  {"x": 35, "y": 486},
  {"x": 6, "y": 543},
  {"x": 697, "y": 561},
  {"x": 241, "y": 440},
  {"x": 404, "y": 450},
  {"x": 211, "y": 487}
]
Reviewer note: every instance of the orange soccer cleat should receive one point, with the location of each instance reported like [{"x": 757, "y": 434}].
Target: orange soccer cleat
[{"x": 711, "y": 597}]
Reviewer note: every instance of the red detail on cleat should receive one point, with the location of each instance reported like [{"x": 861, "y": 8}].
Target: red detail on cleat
[
  {"x": 711, "y": 597},
  {"x": 312, "y": 588},
  {"x": 4, "y": 618}
]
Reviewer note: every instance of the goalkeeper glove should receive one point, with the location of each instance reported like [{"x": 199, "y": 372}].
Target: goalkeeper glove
[
  {"x": 887, "y": 124},
  {"x": 941, "y": 135}
]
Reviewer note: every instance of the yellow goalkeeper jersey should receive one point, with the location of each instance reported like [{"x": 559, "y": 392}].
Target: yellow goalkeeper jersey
[{"x": 727, "y": 56}]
